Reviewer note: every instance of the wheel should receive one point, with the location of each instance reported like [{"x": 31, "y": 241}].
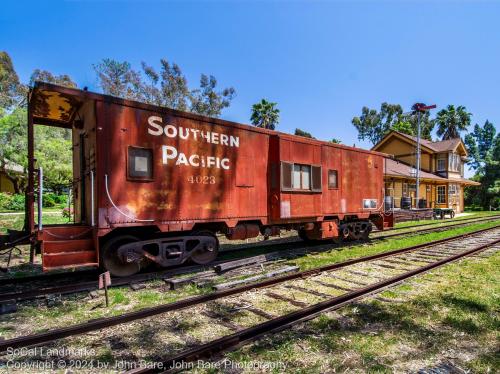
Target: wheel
[
  {"x": 302, "y": 234},
  {"x": 366, "y": 232},
  {"x": 452, "y": 214},
  {"x": 343, "y": 232},
  {"x": 111, "y": 262},
  {"x": 208, "y": 251}
]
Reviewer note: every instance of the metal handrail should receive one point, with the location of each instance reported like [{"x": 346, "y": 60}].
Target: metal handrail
[
  {"x": 92, "y": 215},
  {"x": 118, "y": 209},
  {"x": 40, "y": 198}
]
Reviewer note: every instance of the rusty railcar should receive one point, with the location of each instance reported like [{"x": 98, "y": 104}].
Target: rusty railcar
[{"x": 154, "y": 185}]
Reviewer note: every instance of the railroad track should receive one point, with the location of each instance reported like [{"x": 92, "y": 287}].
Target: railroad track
[
  {"x": 88, "y": 284},
  {"x": 246, "y": 313}
]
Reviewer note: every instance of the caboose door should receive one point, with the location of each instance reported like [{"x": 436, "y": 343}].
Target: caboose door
[
  {"x": 332, "y": 175},
  {"x": 84, "y": 140}
]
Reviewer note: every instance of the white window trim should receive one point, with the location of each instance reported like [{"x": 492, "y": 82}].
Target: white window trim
[{"x": 444, "y": 163}]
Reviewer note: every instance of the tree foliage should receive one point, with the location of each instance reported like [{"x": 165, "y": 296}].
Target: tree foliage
[
  {"x": 265, "y": 114},
  {"x": 52, "y": 151},
  {"x": 168, "y": 87},
  {"x": 484, "y": 149},
  {"x": 479, "y": 143},
  {"x": 452, "y": 121},
  {"x": 46, "y": 76},
  {"x": 52, "y": 145},
  {"x": 207, "y": 100},
  {"x": 303, "y": 133},
  {"x": 118, "y": 79},
  {"x": 373, "y": 125},
  {"x": 336, "y": 141},
  {"x": 13, "y": 137},
  {"x": 11, "y": 90}
]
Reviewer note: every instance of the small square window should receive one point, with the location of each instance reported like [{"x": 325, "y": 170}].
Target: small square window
[
  {"x": 333, "y": 179},
  {"x": 140, "y": 163},
  {"x": 369, "y": 203}
]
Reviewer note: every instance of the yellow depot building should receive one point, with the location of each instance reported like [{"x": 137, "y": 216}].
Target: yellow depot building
[{"x": 441, "y": 171}]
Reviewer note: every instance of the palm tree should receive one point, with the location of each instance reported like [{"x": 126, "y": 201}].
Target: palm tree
[
  {"x": 265, "y": 114},
  {"x": 451, "y": 122}
]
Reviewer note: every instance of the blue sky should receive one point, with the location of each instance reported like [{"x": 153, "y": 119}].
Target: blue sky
[{"x": 321, "y": 61}]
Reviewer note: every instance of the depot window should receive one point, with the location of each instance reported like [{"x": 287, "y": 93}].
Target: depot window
[
  {"x": 300, "y": 177},
  {"x": 441, "y": 164},
  {"x": 441, "y": 194},
  {"x": 140, "y": 163}
]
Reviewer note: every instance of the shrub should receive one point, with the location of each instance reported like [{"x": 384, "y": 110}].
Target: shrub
[
  {"x": 11, "y": 201},
  {"x": 61, "y": 199},
  {"x": 48, "y": 200},
  {"x": 5, "y": 200}
]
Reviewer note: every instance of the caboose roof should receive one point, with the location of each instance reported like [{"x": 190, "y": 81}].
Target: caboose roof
[{"x": 55, "y": 105}]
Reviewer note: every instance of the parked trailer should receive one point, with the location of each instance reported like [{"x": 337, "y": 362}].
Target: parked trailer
[{"x": 155, "y": 185}]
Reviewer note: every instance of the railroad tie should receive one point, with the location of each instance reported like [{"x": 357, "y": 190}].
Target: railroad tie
[
  {"x": 401, "y": 261},
  {"x": 433, "y": 253},
  {"x": 260, "y": 312},
  {"x": 306, "y": 290},
  {"x": 334, "y": 286},
  {"x": 391, "y": 267},
  {"x": 348, "y": 280},
  {"x": 422, "y": 258},
  {"x": 223, "y": 320},
  {"x": 363, "y": 274},
  {"x": 273, "y": 295}
]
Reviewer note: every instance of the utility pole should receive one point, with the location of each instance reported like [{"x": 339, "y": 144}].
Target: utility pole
[{"x": 419, "y": 108}]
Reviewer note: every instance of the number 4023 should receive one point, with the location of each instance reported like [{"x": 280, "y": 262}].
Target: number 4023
[{"x": 201, "y": 179}]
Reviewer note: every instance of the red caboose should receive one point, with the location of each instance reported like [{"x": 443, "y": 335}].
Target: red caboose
[{"x": 156, "y": 185}]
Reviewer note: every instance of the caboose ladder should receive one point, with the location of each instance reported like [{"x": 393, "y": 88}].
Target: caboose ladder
[{"x": 68, "y": 246}]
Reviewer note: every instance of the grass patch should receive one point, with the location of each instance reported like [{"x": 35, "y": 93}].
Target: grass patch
[
  {"x": 446, "y": 221},
  {"x": 454, "y": 320},
  {"x": 16, "y": 221},
  {"x": 345, "y": 253}
]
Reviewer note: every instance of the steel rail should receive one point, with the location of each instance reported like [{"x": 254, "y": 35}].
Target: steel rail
[
  {"x": 94, "y": 272},
  {"x": 97, "y": 324},
  {"x": 272, "y": 326},
  {"x": 450, "y": 220},
  {"x": 123, "y": 281}
]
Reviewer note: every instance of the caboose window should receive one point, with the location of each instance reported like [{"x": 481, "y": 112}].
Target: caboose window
[
  {"x": 333, "y": 179},
  {"x": 140, "y": 163},
  {"x": 300, "y": 177}
]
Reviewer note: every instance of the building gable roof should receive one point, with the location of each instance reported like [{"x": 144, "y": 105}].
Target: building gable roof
[
  {"x": 396, "y": 168},
  {"x": 449, "y": 145}
]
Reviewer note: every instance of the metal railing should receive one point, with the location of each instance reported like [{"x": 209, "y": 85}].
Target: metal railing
[
  {"x": 40, "y": 198},
  {"x": 92, "y": 213}
]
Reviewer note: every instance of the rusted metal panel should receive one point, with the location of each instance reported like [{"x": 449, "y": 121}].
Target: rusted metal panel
[
  {"x": 359, "y": 174},
  {"x": 202, "y": 171}
]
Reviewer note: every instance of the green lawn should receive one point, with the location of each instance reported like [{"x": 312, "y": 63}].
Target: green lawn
[
  {"x": 16, "y": 221},
  {"x": 454, "y": 318}
]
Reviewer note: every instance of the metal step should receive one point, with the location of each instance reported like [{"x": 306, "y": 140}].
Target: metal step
[
  {"x": 69, "y": 259},
  {"x": 62, "y": 246}
]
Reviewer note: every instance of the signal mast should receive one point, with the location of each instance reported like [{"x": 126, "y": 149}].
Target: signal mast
[{"x": 418, "y": 109}]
